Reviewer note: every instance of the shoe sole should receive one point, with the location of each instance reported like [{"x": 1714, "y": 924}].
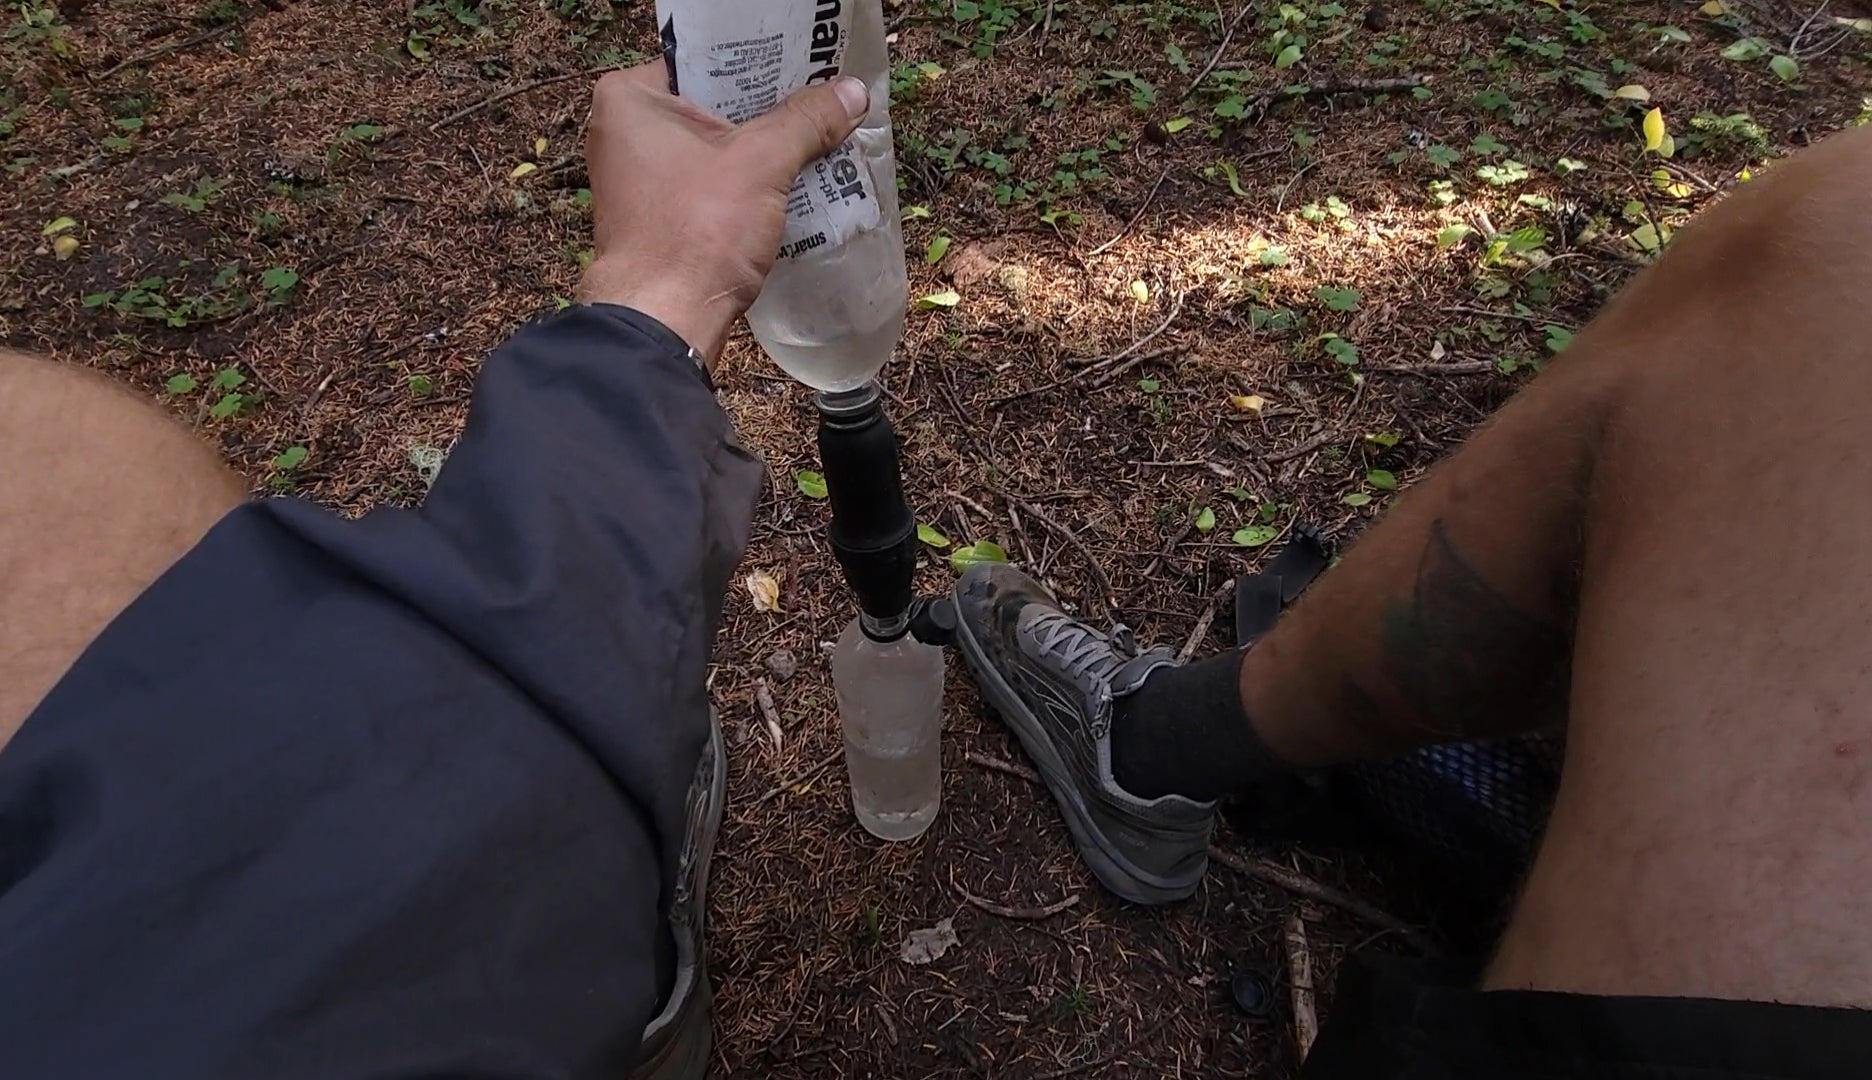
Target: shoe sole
[
  {"x": 686, "y": 1055},
  {"x": 1118, "y": 874}
]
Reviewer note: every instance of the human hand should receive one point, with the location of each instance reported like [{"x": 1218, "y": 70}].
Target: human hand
[{"x": 688, "y": 208}]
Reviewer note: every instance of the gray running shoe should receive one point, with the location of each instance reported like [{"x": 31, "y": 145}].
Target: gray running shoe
[
  {"x": 676, "y": 1044},
  {"x": 1053, "y": 680}
]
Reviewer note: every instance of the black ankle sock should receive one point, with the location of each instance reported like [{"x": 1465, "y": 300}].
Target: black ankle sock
[{"x": 1184, "y": 733}]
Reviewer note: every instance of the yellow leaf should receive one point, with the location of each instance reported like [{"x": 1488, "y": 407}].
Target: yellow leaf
[
  {"x": 522, "y": 169},
  {"x": 1864, "y": 26},
  {"x": 65, "y": 247},
  {"x": 1248, "y": 403},
  {"x": 1632, "y": 92},
  {"x": 539, "y": 146},
  {"x": 1714, "y": 8},
  {"x": 1140, "y": 291},
  {"x": 765, "y": 589},
  {"x": 58, "y": 225},
  {"x": 1555, "y": 4},
  {"x": 1654, "y": 129},
  {"x": 1667, "y": 146}
]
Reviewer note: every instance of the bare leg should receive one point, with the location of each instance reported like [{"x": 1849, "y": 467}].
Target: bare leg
[
  {"x": 99, "y": 494},
  {"x": 1663, "y": 542}
]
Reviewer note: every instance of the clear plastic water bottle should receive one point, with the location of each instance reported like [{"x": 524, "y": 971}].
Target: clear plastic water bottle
[
  {"x": 833, "y": 307},
  {"x": 890, "y": 707}
]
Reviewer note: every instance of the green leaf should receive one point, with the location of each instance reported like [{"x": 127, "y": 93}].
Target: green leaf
[
  {"x": 227, "y": 406},
  {"x": 1336, "y": 298},
  {"x": 1288, "y": 57},
  {"x": 810, "y": 484},
  {"x": 1567, "y": 166},
  {"x": 1786, "y": 67},
  {"x": 1273, "y": 255},
  {"x": 938, "y": 247},
  {"x": 289, "y": 459},
  {"x": 58, "y": 225},
  {"x": 1205, "y": 519},
  {"x": 1149, "y": 385},
  {"x": 1382, "y": 479},
  {"x": 1234, "y": 178},
  {"x": 1357, "y": 498},
  {"x": 980, "y": 551},
  {"x": 1385, "y": 439},
  {"x": 1442, "y": 156},
  {"x": 1254, "y": 536},
  {"x": 1558, "y": 337},
  {"x": 277, "y": 279},
  {"x": 1746, "y": 49},
  {"x": 180, "y": 384},
  {"x": 1232, "y": 107},
  {"x": 421, "y": 385},
  {"x": 128, "y": 123},
  {"x": 1340, "y": 349},
  {"x": 965, "y": 10},
  {"x": 1176, "y": 124},
  {"x": 417, "y": 45},
  {"x": 1487, "y": 145},
  {"x": 1451, "y": 235},
  {"x": 911, "y": 213},
  {"x": 228, "y": 379},
  {"x": 948, "y": 298},
  {"x": 928, "y": 535}
]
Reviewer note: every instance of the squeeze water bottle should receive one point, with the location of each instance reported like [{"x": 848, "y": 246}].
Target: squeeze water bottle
[{"x": 833, "y": 307}]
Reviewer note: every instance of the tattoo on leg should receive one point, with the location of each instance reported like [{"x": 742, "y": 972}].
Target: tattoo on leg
[{"x": 1460, "y": 659}]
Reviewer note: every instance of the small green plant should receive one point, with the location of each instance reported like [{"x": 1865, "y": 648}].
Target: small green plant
[
  {"x": 278, "y": 283},
  {"x": 1161, "y": 407},
  {"x": 1503, "y": 174},
  {"x": 1338, "y": 299},
  {"x": 1341, "y": 350},
  {"x": 285, "y": 464},
  {"x": 870, "y": 929},
  {"x": 1072, "y": 1003},
  {"x": 204, "y": 194},
  {"x": 420, "y": 385},
  {"x": 353, "y": 141},
  {"x": 1143, "y": 94}
]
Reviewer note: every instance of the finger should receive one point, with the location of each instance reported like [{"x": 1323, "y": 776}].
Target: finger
[
  {"x": 650, "y": 75},
  {"x": 804, "y": 127}
]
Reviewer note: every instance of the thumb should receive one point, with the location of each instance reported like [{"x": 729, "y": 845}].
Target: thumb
[{"x": 808, "y": 125}]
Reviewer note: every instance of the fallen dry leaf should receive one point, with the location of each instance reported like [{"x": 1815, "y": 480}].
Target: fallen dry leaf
[
  {"x": 923, "y": 946},
  {"x": 765, "y": 589}
]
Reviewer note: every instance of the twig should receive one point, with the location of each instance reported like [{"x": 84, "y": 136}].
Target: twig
[
  {"x": 161, "y": 51},
  {"x": 799, "y": 778},
  {"x": 1306, "y": 447},
  {"x": 1154, "y": 354},
  {"x": 1135, "y": 218},
  {"x": 1094, "y": 363},
  {"x": 1301, "y": 885},
  {"x": 1100, "y": 363},
  {"x": 1300, "y": 983},
  {"x": 1008, "y": 767},
  {"x": 1046, "y": 27},
  {"x": 764, "y": 697},
  {"x": 514, "y": 91},
  {"x": 1203, "y": 623},
  {"x": 66, "y": 172},
  {"x": 1455, "y": 367},
  {"x": 1026, "y": 914},
  {"x": 1086, "y": 1068},
  {"x": 1216, "y": 56},
  {"x": 1071, "y": 540},
  {"x": 1515, "y": 315}
]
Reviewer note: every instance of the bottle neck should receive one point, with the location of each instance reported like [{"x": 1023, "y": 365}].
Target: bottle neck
[{"x": 885, "y": 630}]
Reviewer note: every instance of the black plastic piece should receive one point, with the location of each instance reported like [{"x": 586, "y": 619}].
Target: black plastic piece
[
  {"x": 873, "y": 533},
  {"x": 933, "y": 620},
  {"x": 1253, "y": 993},
  {"x": 1259, "y": 598}
]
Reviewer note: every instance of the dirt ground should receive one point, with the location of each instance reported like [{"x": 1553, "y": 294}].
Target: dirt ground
[{"x": 1195, "y": 273}]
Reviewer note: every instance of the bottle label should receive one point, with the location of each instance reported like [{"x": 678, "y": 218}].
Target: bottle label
[{"x": 739, "y": 60}]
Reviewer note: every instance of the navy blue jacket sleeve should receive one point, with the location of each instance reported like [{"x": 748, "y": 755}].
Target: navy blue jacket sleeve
[{"x": 397, "y": 795}]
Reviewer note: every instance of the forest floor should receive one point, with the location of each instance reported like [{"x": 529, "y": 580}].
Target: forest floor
[{"x": 1188, "y": 274}]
